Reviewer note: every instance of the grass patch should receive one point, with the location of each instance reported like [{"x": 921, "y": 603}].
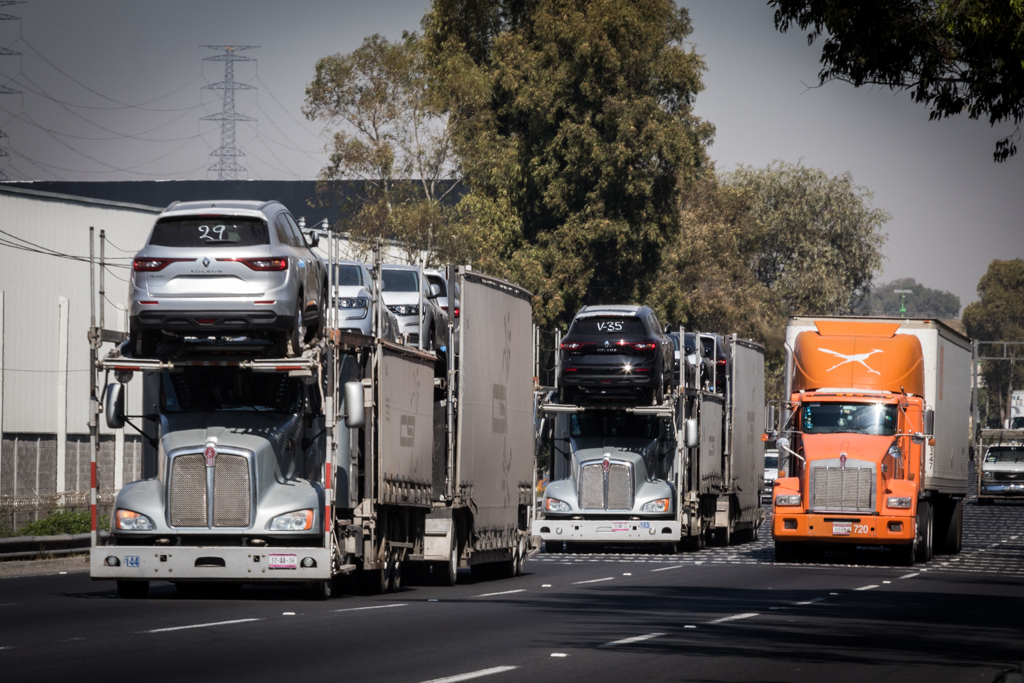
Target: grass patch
[{"x": 62, "y": 521}]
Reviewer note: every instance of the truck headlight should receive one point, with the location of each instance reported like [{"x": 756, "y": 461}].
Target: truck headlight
[
  {"x": 300, "y": 520},
  {"x": 988, "y": 475},
  {"x": 555, "y": 505},
  {"x": 660, "y": 505},
  {"x": 787, "y": 499},
  {"x": 897, "y": 502},
  {"x": 128, "y": 520}
]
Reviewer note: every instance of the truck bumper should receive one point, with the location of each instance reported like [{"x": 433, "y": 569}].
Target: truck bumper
[
  {"x": 609, "y": 531},
  {"x": 840, "y": 528},
  {"x": 184, "y": 563},
  {"x": 1014, "y": 490}
]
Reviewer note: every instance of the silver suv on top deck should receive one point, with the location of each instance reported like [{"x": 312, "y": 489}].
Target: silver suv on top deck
[{"x": 227, "y": 269}]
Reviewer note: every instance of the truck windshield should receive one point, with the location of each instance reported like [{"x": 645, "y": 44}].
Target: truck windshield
[
  {"x": 1012, "y": 454},
  {"x": 582, "y": 425},
  {"x": 208, "y": 389},
  {"x": 859, "y": 418}
]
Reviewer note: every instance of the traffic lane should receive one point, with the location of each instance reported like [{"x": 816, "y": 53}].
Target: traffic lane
[{"x": 483, "y": 626}]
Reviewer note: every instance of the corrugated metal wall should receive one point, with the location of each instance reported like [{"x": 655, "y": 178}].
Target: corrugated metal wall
[{"x": 44, "y": 355}]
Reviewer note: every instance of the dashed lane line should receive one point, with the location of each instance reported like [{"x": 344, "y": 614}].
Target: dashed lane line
[
  {"x": 809, "y": 602},
  {"x": 360, "y": 609},
  {"x": 634, "y": 639},
  {"x": 665, "y": 569},
  {"x": 212, "y": 623},
  {"x": 734, "y": 617},
  {"x": 579, "y": 583},
  {"x": 472, "y": 674},
  {"x": 487, "y": 595},
  {"x": 866, "y": 588}
]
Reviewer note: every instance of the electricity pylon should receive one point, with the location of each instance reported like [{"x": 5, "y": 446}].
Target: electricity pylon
[{"x": 227, "y": 167}]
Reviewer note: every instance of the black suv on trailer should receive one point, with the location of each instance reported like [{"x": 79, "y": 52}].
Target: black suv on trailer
[{"x": 615, "y": 352}]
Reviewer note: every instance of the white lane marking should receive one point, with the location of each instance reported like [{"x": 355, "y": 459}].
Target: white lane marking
[
  {"x": 609, "y": 578},
  {"x": 287, "y": 614},
  {"x": 887, "y": 582},
  {"x": 359, "y": 609},
  {"x": 809, "y": 602},
  {"x": 63, "y": 572},
  {"x": 472, "y": 674},
  {"x": 833, "y": 593},
  {"x": 910, "y": 576},
  {"x": 8, "y": 604},
  {"x": 634, "y": 639},
  {"x": 213, "y": 623},
  {"x": 866, "y": 588},
  {"x": 734, "y": 618},
  {"x": 487, "y": 595},
  {"x": 7, "y": 647},
  {"x": 627, "y": 574},
  {"x": 689, "y": 626},
  {"x": 559, "y": 654},
  {"x": 545, "y": 585},
  {"x": 665, "y": 569}
]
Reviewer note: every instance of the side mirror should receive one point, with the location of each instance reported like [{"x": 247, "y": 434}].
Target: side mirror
[
  {"x": 435, "y": 291},
  {"x": 770, "y": 426},
  {"x": 354, "y": 415},
  {"x": 113, "y": 405},
  {"x": 314, "y": 239},
  {"x": 692, "y": 433},
  {"x": 929, "y": 422}
]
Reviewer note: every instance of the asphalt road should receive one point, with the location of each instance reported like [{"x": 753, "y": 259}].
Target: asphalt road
[{"x": 724, "y": 614}]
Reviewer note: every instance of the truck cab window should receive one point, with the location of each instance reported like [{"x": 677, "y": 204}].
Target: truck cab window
[{"x": 860, "y": 418}]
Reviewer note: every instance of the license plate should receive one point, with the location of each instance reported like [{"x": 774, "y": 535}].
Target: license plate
[
  {"x": 282, "y": 562},
  {"x": 620, "y": 526},
  {"x": 842, "y": 528}
]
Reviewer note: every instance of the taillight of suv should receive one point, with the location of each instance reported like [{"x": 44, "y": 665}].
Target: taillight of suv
[
  {"x": 151, "y": 265},
  {"x": 261, "y": 263}
]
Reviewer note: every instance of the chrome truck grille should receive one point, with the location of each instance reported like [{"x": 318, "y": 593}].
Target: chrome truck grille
[
  {"x": 606, "y": 490},
  {"x": 231, "y": 491},
  {"x": 843, "y": 488},
  {"x": 189, "y": 493},
  {"x": 188, "y": 490}
]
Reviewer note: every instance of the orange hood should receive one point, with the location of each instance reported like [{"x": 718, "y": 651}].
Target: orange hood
[
  {"x": 858, "y": 356},
  {"x": 868, "y": 447}
]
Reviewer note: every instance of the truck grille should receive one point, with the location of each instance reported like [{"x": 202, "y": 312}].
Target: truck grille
[
  {"x": 843, "y": 488},
  {"x": 611, "y": 491},
  {"x": 1008, "y": 476},
  {"x": 188, "y": 490},
  {"x": 231, "y": 491}
]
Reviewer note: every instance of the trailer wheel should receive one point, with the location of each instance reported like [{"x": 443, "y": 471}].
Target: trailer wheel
[
  {"x": 395, "y": 581},
  {"x": 320, "y": 590},
  {"x": 132, "y": 590},
  {"x": 954, "y": 533},
  {"x": 450, "y": 569},
  {"x": 520, "y": 556},
  {"x": 903, "y": 555}
]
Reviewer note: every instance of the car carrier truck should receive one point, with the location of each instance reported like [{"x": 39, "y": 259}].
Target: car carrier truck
[
  {"x": 686, "y": 471},
  {"x": 359, "y": 456},
  {"x": 875, "y": 437}
]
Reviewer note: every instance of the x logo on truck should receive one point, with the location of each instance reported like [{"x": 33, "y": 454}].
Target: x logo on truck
[{"x": 856, "y": 358}]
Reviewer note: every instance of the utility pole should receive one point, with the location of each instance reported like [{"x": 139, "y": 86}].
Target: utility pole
[
  {"x": 4, "y": 90},
  {"x": 228, "y": 168}
]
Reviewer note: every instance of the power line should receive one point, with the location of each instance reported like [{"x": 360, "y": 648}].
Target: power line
[
  {"x": 228, "y": 168},
  {"x": 4, "y": 90}
]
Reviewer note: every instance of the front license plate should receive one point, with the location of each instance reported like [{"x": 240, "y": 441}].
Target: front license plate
[
  {"x": 282, "y": 562},
  {"x": 620, "y": 526},
  {"x": 842, "y": 528}
]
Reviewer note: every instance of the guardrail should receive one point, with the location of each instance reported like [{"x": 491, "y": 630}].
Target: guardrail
[{"x": 31, "y": 547}]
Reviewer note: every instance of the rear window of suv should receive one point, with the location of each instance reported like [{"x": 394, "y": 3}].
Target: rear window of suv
[
  {"x": 210, "y": 231},
  {"x": 610, "y": 326}
]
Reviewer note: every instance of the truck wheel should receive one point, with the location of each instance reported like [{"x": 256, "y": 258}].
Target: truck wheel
[
  {"x": 786, "y": 551},
  {"x": 450, "y": 569},
  {"x": 925, "y": 529},
  {"x": 554, "y": 546},
  {"x": 903, "y": 555},
  {"x": 395, "y": 582},
  {"x": 520, "y": 556},
  {"x": 132, "y": 590},
  {"x": 955, "y": 533},
  {"x": 319, "y": 590}
]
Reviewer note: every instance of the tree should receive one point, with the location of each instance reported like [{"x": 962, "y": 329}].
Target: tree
[
  {"x": 392, "y": 134},
  {"x": 954, "y": 56},
  {"x": 574, "y": 128},
  {"x": 921, "y": 302},
  {"x": 999, "y": 316},
  {"x": 817, "y": 241}
]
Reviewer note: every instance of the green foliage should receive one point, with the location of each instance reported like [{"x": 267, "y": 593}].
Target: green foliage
[
  {"x": 388, "y": 127},
  {"x": 816, "y": 242},
  {"x": 999, "y": 316},
  {"x": 574, "y": 128},
  {"x": 60, "y": 521},
  {"x": 955, "y": 56},
  {"x": 921, "y": 302}
]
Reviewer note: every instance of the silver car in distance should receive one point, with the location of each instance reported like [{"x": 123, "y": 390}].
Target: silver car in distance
[{"x": 227, "y": 269}]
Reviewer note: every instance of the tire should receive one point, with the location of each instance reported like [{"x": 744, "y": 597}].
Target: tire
[
  {"x": 786, "y": 551},
  {"x": 554, "y": 547},
  {"x": 296, "y": 336},
  {"x": 925, "y": 532},
  {"x": 320, "y": 590},
  {"x": 984, "y": 501},
  {"x": 395, "y": 580},
  {"x": 320, "y": 330},
  {"x": 450, "y": 569},
  {"x": 132, "y": 590},
  {"x": 903, "y": 555},
  {"x": 520, "y": 556},
  {"x": 659, "y": 394},
  {"x": 948, "y": 534},
  {"x": 143, "y": 343},
  {"x": 723, "y": 537}
]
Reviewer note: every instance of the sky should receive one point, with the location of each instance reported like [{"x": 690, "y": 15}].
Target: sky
[{"x": 113, "y": 90}]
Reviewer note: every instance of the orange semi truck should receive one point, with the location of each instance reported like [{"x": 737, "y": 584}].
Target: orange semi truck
[{"x": 875, "y": 437}]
